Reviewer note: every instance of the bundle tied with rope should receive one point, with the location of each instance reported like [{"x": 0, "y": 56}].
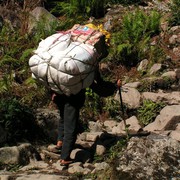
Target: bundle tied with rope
[{"x": 66, "y": 61}]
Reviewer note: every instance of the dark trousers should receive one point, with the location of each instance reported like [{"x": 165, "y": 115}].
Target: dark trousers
[{"x": 69, "y": 107}]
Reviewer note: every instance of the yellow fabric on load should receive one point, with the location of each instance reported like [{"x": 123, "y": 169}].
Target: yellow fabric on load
[{"x": 102, "y": 30}]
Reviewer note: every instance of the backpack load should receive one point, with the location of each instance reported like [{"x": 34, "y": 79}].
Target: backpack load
[{"x": 66, "y": 61}]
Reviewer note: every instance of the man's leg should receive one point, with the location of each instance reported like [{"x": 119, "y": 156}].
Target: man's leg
[
  {"x": 71, "y": 116},
  {"x": 60, "y": 102},
  {"x": 61, "y": 128}
]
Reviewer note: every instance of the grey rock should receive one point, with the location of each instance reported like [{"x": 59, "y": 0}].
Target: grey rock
[
  {"x": 42, "y": 176},
  {"x": 172, "y": 98},
  {"x": 133, "y": 126},
  {"x": 100, "y": 149},
  {"x": 172, "y": 39},
  {"x": 81, "y": 155},
  {"x": 170, "y": 74},
  {"x": 130, "y": 97},
  {"x": 143, "y": 65},
  {"x": 150, "y": 159},
  {"x": 95, "y": 126},
  {"x": 41, "y": 15},
  {"x": 167, "y": 120},
  {"x": 175, "y": 135},
  {"x": 132, "y": 85},
  {"x": 22, "y": 154},
  {"x": 75, "y": 169},
  {"x": 155, "y": 68}
]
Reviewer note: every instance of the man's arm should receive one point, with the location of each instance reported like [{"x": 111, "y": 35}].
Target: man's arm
[{"x": 101, "y": 87}]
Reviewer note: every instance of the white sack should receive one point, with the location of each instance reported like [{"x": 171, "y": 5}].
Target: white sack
[{"x": 65, "y": 66}]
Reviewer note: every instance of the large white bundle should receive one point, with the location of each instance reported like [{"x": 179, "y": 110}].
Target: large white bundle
[{"x": 63, "y": 65}]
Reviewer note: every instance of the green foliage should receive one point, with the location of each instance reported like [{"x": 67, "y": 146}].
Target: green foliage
[
  {"x": 10, "y": 167},
  {"x": 112, "y": 158},
  {"x": 6, "y": 84},
  {"x": 42, "y": 31},
  {"x": 73, "y": 8},
  {"x": 16, "y": 119},
  {"x": 92, "y": 106},
  {"x": 37, "y": 96},
  {"x": 174, "y": 20},
  {"x": 13, "y": 44},
  {"x": 95, "y": 8},
  {"x": 16, "y": 49},
  {"x": 114, "y": 151},
  {"x": 112, "y": 107},
  {"x": 148, "y": 111},
  {"x": 153, "y": 84},
  {"x": 156, "y": 54},
  {"x": 66, "y": 8},
  {"x": 132, "y": 42},
  {"x": 13, "y": 167}
]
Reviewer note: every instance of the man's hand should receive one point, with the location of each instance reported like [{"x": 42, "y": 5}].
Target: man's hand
[
  {"x": 119, "y": 84},
  {"x": 53, "y": 96}
]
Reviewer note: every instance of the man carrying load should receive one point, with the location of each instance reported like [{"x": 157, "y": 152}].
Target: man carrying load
[{"x": 67, "y": 62}]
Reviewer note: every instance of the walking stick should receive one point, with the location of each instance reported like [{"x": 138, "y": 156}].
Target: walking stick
[{"x": 119, "y": 84}]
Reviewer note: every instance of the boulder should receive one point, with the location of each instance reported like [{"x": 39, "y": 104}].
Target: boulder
[
  {"x": 130, "y": 97},
  {"x": 41, "y": 15},
  {"x": 132, "y": 123},
  {"x": 22, "y": 154},
  {"x": 172, "y": 98},
  {"x": 150, "y": 159},
  {"x": 167, "y": 120}
]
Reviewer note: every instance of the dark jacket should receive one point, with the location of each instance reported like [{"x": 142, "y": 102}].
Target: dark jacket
[{"x": 101, "y": 87}]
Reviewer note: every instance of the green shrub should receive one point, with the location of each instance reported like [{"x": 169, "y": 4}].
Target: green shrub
[
  {"x": 174, "y": 20},
  {"x": 92, "y": 107},
  {"x": 153, "y": 84},
  {"x": 6, "y": 85},
  {"x": 73, "y": 8},
  {"x": 16, "y": 120},
  {"x": 16, "y": 49},
  {"x": 131, "y": 43},
  {"x": 95, "y": 8},
  {"x": 148, "y": 111},
  {"x": 112, "y": 108}
]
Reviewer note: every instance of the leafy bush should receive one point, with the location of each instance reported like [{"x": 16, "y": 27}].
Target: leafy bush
[
  {"x": 92, "y": 106},
  {"x": 153, "y": 84},
  {"x": 95, "y": 8},
  {"x": 16, "y": 49},
  {"x": 148, "y": 111},
  {"x": 174, "y": 20},
  {"x": 112, "y": 107},
  {"x": 16, "y": 120},
  {"x": 131, "y": 44},
  {"x": 73, "y": 8}
]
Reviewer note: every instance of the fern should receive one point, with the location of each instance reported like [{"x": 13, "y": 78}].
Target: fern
[
  {"x": 86, "y": 8},
  {"x": 148, "y": 111},
  {"x": 132, "y": 42},
  {"x": 6, "y": 84},
  {"x": 65, "y": 8},
  {"x": 174, "y": 20},
  {"x": 153, "y": 23},
  {"x": 26, "y": 54},
  {"x": 124, "y": 47}
]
